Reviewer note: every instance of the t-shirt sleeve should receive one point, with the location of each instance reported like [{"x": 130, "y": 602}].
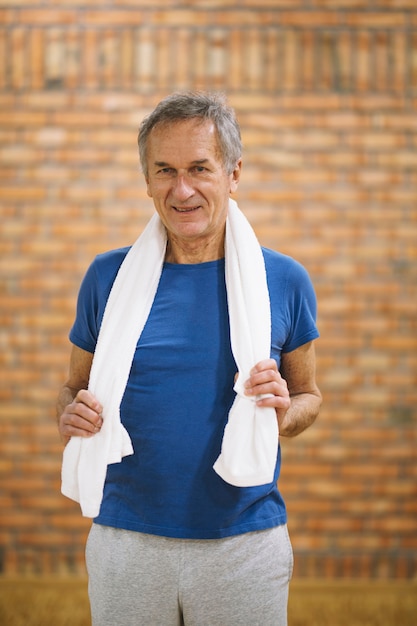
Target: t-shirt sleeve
[
  {"x": 302, "y": 308},
  {"x": 92, "y": 298},
  {"x": 84, "y": 331}
]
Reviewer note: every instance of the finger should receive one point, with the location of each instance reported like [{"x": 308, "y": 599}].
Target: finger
[
  {"x": 269, "y": 377},
  {"x": 87, "y": 406},
  {"x": 266, "y": 364},
  {"x": 78, "y": 427},
  {"x": 86, "y": 397},
  {"x": 271, "y": 390},
  {"x": 68, "y": 431},
  {"x": 279, "y": 403},
  {"x": 79, "y": 419},
  {"x": 85, "y": 418}
]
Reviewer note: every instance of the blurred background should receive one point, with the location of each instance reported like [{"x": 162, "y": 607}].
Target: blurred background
[{"x": 326, "y": 95}]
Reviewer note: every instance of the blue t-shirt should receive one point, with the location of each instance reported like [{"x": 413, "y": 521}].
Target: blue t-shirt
[{"x": 179, "y": 393}]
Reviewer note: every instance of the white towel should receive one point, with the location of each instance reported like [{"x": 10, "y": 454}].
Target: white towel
[{"x": 250, "y": 442}]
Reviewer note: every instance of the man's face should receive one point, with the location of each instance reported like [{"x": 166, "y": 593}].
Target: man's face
[{"x": 187, "y": 180}]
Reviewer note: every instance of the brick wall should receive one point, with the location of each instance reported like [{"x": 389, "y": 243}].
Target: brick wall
[{"x": 326, "y": 92}]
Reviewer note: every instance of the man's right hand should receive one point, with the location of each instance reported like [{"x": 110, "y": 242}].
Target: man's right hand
[{"x": 82, "y": 417}]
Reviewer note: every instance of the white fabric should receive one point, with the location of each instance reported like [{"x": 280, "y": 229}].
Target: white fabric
[
  {"x": 85, "y": 460},
  {"x": 250, "y": 442}
]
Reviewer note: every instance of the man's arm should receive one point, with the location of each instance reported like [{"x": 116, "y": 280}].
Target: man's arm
[
  {"x": 298, "y": 368},
  {"x": 295, "y": 395},
  {"x": 78, "y": 411}
]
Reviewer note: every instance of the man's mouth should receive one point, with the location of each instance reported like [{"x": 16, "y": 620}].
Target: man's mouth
[{"x": 190, "y": 209}]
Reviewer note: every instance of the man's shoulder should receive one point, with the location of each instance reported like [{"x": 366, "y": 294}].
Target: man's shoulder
[
  {"x": 112, "y": 256},
  {"x": 281, "y": 266},
  {"x": 111, "y": 259},
  {"x": 274, "y": 259}
]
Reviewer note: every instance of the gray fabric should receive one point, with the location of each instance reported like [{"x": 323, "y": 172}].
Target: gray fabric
[{"x": 145, "y": 580}]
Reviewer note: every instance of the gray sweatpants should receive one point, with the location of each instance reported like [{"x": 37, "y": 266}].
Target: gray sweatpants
[{"x": 145, "y": 580}]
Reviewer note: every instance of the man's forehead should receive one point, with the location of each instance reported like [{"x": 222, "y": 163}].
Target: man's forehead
[{"x": 194, "y": 136}]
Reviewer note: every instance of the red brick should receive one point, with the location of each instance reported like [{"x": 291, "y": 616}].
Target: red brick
[
  {"x": 40, "y": 16},
  {"x": 376, "y": 19},
  {"x": 8, "y": 16},
  {"x": 22, "y": 118},
  {"x": 325, "y": 91},
  {"x": 313, "y": 19}
]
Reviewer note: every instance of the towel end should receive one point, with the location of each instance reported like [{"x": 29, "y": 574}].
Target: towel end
[{"x": 255, "y": 479}]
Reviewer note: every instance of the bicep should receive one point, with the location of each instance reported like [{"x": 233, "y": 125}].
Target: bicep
[{"x": 298, "y": 368}]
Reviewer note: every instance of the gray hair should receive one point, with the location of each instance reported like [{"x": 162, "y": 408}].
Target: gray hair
[{"x": 196, "y": 105}]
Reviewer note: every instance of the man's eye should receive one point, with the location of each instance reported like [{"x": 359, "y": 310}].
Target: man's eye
[{"x": 164, "y": 171}]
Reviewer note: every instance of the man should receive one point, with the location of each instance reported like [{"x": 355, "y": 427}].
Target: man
[{"x": 173, "y": 542}]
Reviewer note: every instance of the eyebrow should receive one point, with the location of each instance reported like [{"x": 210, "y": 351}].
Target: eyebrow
[{"x": 196, "y": 162}]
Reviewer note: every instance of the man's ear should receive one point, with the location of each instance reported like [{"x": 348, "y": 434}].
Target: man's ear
[
  {"x": 235, "y": 176},
  {"x": 148, "y": 188}
]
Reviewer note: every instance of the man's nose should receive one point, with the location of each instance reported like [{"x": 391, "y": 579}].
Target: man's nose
[{"x": 183, "y": 188}]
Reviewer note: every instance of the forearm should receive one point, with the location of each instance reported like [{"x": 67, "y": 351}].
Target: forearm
[
  {"x": 78, "y": 411},
  {"x": 65, "y": 397},
  {"x": 301, "y": 414}
]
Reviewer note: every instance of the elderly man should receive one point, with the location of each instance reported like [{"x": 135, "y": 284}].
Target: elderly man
[{"x": 189, "y": 525}]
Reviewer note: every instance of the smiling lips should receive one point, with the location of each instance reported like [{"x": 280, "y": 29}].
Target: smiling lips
[{"x": 186, "y": 209}]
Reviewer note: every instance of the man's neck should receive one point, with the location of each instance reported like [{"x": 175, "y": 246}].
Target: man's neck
[{"x": 194, "y": 251}]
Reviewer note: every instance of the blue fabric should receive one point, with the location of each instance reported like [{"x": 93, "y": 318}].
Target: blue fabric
[{"x": 178, "y": 396}]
